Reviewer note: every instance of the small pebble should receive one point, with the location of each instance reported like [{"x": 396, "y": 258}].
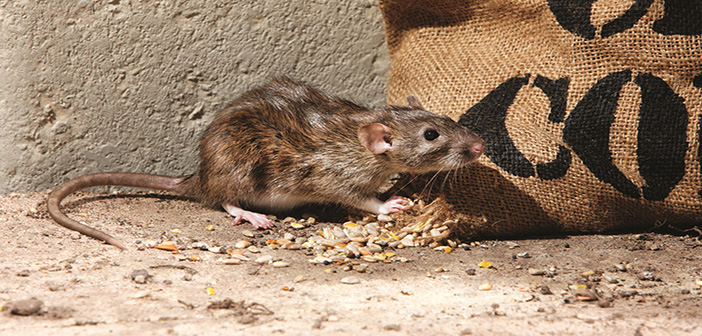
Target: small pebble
[
  {"x": 280, "y": 264},
  {"x": 512, "y": 245},
  {"x": 392, "y": 327},
  {"x": 647, "y": 276},
  {"x": 317, "y": 324},
  {"x": 534, "y": 271},
  {"x": 240, "y": 257},
  {"x": 544, "y": 290},
  {"x": 321, "y": 260},
  {"x": 485, "y": 287},
  {"x": 218, "y": 249},
  {"x": 585, "y": 295},
  {"x": 26, "y": 307},
  {"x": 140, "y": 276},
  {"x": 292, "y": 246},
  {"x": 242, "y": 244},
  {"x": 188, "y": 277},
  {"x": 362, "y": 268},
  {"x": 55, "y": 287},
  {"x": 230, "y": 261},
  {"x": 643, "y": 236},
  {"x": 350, "y": 280},
  {"x": 247, "y": 233},
  {"x": 604, "y": 303},
  {"x": 625, "y": 293},
  {"x": 610, "y": 278},
  {"x": 201, "y": 246},
  {"x": 253, "y": 249},
  {"x": 524, "y": 255},
  {"x": 370, "y": 259},
  {"x": 264, "y": 259}
]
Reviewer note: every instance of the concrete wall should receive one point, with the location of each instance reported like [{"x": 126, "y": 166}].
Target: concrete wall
[{"x": 127, "y": 85}]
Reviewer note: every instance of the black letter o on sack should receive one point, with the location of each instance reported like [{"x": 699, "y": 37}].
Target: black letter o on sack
[{"x": 661, "y": 138}]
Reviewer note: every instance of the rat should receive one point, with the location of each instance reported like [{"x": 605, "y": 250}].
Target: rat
[{"x": 287, "y": 144}]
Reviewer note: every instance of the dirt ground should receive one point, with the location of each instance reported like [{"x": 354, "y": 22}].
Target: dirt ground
[{"x": 625, "y": 284}]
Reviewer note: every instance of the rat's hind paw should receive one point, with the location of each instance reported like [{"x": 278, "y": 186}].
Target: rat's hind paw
[{"x": 259, "y": 221}]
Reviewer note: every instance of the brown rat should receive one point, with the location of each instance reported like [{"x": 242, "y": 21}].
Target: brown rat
[{"x": 287, "y": 144}]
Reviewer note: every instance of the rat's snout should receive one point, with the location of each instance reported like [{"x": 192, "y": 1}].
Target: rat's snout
[
  {"x": 477, "y": 148},
  {"x": 473, "y": 147}
]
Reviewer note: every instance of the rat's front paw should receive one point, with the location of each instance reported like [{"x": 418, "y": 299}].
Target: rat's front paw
[
  {"x": 259, "y": 221},
  {"x": 394, "y": 204}
]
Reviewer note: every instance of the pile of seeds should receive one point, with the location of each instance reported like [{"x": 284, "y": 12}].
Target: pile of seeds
[{"x": 369, "y": 239}]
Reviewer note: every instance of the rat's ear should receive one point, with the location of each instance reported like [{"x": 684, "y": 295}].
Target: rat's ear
[
  {"x": 376, "y": 137},
  {"x": 414, "y": 102}
]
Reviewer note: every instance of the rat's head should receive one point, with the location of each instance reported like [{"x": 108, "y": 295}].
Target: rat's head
[{"x": 417, "y": 141}]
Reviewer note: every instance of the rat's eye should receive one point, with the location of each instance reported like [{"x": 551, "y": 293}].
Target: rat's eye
[{"x": 431, "y": 135}]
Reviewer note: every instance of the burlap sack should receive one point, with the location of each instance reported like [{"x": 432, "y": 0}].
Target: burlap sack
[{"x": 590, "y": 109}]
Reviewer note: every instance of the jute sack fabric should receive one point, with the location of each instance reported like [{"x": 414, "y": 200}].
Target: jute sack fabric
[{"x": 590, "y": 109}]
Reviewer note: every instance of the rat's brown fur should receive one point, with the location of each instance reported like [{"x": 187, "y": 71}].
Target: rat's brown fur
[{"x": 287, "y": 144}]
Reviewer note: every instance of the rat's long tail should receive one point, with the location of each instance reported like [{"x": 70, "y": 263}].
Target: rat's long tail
[{"x": 104, "y": 179}]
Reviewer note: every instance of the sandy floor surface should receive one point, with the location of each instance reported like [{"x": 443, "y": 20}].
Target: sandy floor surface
[{"x": 627, "y": 284}]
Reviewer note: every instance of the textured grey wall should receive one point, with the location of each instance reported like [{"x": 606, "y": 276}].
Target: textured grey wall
[{"x": 127, "y": 85}]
